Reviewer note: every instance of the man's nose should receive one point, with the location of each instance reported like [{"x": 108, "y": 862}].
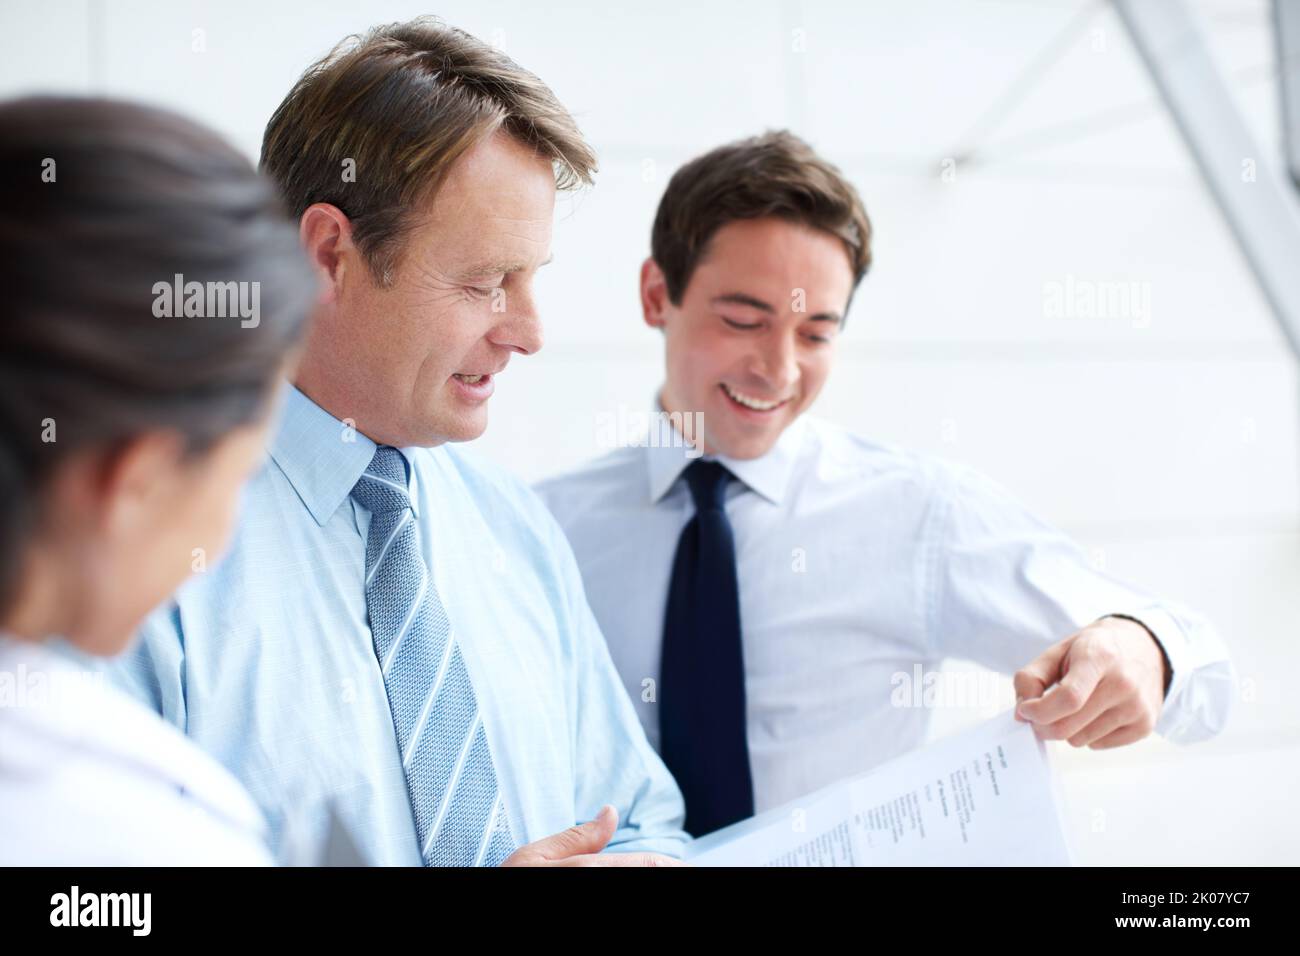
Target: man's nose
[
  {"x": 777, "y": 363},
  {"x": 519, "y": 327}
]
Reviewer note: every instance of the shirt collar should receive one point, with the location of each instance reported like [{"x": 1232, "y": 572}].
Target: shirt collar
[
  {"x": 667, "y": 456},
  {"x": 322, "y": 457}
]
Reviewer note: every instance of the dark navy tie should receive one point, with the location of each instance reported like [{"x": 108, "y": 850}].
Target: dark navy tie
[{"x": 702, "y": 672}]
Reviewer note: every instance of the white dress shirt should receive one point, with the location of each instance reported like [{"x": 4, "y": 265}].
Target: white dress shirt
[
  {"x": 861, "y": 566},
  {"x": 89, "y": 777}
]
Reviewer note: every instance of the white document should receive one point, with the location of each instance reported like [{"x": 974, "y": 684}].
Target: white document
[{"x": 983, "y": 797}]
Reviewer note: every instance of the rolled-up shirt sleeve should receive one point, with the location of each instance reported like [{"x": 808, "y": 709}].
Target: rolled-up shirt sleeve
[{"x": 1005, "y": 585}]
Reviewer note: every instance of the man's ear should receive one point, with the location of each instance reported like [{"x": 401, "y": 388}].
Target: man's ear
[
  {"x": 654, "y": 294},
  {"x": 326, "y": 237}
]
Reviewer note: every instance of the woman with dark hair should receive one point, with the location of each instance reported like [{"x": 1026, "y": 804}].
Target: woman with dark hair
[{"x": 153, "y": 297}]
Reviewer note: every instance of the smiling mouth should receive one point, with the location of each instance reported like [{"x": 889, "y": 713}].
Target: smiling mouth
[
  {"x": 472, "y": 379},
  {"x": 751, "y": 402}
]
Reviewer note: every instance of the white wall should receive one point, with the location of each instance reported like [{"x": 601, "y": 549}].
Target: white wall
[{"x": 1166, "y": 440}]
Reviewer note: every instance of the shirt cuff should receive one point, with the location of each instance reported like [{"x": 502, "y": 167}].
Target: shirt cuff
[{"x": 1173, "y": 641}]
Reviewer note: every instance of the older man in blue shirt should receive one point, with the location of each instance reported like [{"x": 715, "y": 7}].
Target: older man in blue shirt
[{"x": 399, "y": 635}]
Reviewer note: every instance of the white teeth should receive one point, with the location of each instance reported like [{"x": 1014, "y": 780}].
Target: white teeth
[
  {"x": 748, "y": 401},
  {"x": 470, "y": 379}
]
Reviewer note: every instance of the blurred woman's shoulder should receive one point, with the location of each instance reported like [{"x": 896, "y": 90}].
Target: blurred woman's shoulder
[{"x": 90, "y": 777}]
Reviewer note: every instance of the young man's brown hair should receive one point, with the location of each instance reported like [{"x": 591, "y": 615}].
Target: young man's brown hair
[
  {"x": 373, "y": 127},
  {"x": 776, "y": 174}
]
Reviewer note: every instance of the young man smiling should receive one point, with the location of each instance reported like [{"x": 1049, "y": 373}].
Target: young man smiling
[{"x": 760, "y": 601}]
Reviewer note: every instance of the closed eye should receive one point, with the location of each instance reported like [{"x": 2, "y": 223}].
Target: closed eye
[{"x": 740, "y": 325}]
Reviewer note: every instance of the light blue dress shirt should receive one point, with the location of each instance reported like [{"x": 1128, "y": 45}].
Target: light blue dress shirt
[
  {"x": 862, "y": 567},
  {"x": 266, "y": 661}
]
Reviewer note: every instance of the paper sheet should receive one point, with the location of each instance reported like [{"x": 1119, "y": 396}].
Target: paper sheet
[{"x": 983, "y": 797}]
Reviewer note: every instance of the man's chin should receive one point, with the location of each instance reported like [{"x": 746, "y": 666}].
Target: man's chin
[
  {"x": 433, "y": 429},
  {"x": 466, "y": 427}
]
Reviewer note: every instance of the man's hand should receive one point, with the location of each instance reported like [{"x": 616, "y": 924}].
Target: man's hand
[
  {"x": 581, "y": 845},
  {"x": 1109, "y": 686}
]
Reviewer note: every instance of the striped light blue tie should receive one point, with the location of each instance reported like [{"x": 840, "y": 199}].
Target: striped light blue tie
[{"x": 459, "y": 816}]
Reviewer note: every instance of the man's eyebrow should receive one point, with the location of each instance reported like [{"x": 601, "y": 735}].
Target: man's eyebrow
[
  {"x": 499, "y": 267},
  {"x": 740, "y": 298}
]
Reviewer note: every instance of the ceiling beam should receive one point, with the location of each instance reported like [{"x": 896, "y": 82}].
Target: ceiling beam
[{"x": 1251, "y": 189}]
